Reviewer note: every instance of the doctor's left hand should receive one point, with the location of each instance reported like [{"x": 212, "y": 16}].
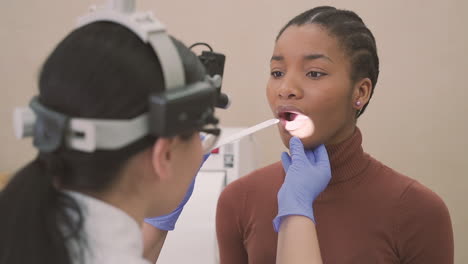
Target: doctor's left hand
[
  {"x": 307, "y": 175},
  {"x": 168, "y": 221}
]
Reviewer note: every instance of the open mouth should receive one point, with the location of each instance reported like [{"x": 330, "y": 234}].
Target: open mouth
[
  {"x": 292, "y": 120},
  {"x": 296, "y": 123},
  {"x": 288, "y": 116}
]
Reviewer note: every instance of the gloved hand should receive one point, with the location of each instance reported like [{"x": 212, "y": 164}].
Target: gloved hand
[
  {"x": 168, "y": 221},
  {"x": 307, "y": 175}
]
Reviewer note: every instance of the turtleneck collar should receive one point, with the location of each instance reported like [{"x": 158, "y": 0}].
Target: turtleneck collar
[
  {"x": 348, "y": 162},
  {"x": 347, "y": 158}
]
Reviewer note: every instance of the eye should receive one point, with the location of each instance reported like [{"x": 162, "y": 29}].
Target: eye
[
  {"x": 315, "y": 74},
  {"x": 276, "y": 74}
]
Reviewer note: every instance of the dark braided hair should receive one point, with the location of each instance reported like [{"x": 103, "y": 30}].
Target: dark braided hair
[{"x": 353, "y": 35}]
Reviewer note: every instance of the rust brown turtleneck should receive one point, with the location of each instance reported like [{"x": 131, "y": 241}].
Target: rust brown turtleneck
[{"x": 369, "y": 213}]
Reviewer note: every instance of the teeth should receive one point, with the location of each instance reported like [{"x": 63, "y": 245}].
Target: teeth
[{"x": 301, "y": 117}]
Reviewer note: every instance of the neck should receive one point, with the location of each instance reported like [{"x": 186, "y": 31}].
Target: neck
[
  {"x": 343, "y": 134},
  {"x": 128, "y": 191}
]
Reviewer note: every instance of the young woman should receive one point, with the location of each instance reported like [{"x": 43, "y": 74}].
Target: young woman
[
  {"x": 325, "y": 67},
  {"x": 72, "y": 206}
]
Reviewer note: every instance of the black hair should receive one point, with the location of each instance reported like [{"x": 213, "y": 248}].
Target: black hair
[
  {"x": 103, "y": 71},
  {"x": 354, "y": 36}
]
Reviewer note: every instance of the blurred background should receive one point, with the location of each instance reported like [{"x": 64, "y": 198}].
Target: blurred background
[{"x": 416, "y": 122}]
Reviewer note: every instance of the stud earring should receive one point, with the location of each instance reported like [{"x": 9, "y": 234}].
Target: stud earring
[{"x": 358, "y": 103}]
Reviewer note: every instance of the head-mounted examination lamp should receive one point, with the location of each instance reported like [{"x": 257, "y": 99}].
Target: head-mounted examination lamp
[{"x": 179, "y": 108}]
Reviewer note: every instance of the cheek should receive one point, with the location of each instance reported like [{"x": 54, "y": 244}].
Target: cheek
[
  {"x": 270, "y": 93},
  {"x": 332, "y": 112},
  {"x": 197, "y": 151},
  {"x": 330, "y": 99},
  {"x": 328, "y": 108},
  {"x": 191, "y": 157}
]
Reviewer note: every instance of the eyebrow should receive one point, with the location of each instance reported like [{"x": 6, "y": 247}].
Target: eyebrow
[
  {"x": 277, "y": 58},
  {"x": 306, "y": 57},
  {"x": 317, "y": 56}
]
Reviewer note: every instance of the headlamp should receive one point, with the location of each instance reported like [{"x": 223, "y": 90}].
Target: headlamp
[{"x": 181, "y": 108}]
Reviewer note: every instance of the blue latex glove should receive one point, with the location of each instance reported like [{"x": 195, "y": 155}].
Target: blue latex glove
[
  {"x": 168, "y": 221},
  {"x": 307, "y": 175}
]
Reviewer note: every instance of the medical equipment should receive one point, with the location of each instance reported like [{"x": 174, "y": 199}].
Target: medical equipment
[
  {"x": 246, "y": 132},
  {"x": 214, "y": 65},
  {"x": 180, "y": 108},
  {"x": 217, "y": 141}
]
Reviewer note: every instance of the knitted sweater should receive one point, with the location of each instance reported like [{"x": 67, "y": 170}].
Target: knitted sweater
[{"x": 369, "y": 213}]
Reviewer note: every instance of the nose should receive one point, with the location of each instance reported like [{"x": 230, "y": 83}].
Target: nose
[{"x": 290, "y": 89}]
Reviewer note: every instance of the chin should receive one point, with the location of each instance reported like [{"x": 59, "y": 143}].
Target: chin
[
  {"x": 309, "y": 141},
  {"x": 285, "y": 137}
]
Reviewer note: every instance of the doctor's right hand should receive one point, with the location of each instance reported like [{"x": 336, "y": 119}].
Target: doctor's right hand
[
  {"x": 307, "y": 175},
  {"x": 167, "y": 222}
]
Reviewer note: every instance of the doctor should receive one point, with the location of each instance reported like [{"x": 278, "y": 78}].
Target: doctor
[{"x": 116, "y": 124}]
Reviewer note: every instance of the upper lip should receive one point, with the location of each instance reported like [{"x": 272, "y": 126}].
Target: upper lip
[{"x": 287, "y": 108}]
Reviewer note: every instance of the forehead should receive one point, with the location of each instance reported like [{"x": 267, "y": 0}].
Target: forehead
[{"x": 299, "y": 41}]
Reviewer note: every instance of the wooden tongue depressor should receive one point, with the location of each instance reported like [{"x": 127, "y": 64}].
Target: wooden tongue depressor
[{"x": 246, "y": 132}]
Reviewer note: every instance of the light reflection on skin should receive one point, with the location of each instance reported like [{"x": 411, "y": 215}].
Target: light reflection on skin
[{"x": 302, "y": 126}]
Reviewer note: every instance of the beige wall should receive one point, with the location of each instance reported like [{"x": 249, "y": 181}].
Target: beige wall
[{"x": 417, "y": 120}]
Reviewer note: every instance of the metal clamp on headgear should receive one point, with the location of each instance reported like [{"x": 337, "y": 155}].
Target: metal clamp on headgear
[{"x": 180, "y": 108}]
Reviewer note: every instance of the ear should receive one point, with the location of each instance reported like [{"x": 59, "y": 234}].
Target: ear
[
  {"x": 361, "y": 93},
  {"x": 162, "y": 157}
]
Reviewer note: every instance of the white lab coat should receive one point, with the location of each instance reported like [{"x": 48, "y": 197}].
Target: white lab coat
[{"x": 113, "y": 237}]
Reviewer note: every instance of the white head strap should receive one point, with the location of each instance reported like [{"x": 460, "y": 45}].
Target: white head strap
[
  {"x": 149, "y": 29},
  {"x": 91, "y": 134}
]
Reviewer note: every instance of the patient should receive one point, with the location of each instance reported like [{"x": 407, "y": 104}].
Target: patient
[{"x": 325, "y": 67}]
